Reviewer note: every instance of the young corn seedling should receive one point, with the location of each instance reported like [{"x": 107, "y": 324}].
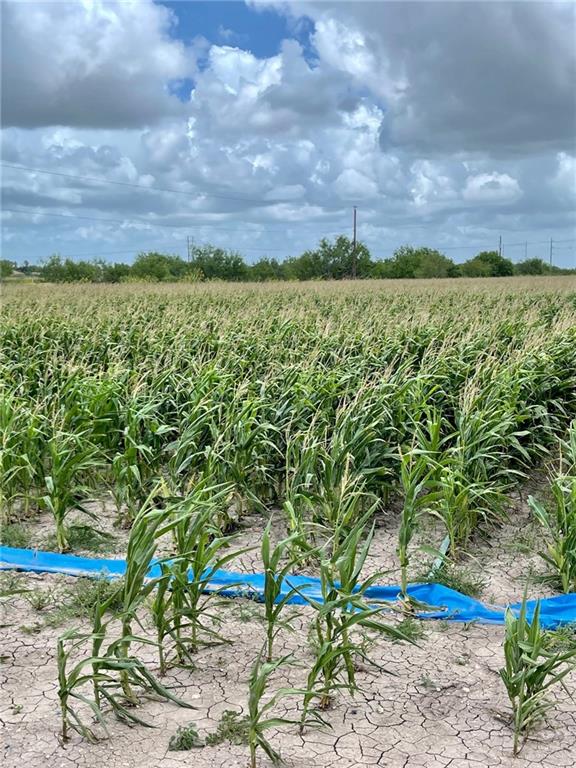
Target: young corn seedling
[
  {"x": 259, "y": 718},
  {"x": 70, "y": 459},
  {"x": 183, "y": 607},
  {"x": 275, "y": 578},
  {"x": 135, "y": 589},
  {"x": 559, "y": 523},
  {"x": 530, "y": 671},
  {"x": 343, "y": 610},
  {"x": 106, "y": 674},
  {"x": 70, "y": 684},
  {"x": 415, "y": 473}
]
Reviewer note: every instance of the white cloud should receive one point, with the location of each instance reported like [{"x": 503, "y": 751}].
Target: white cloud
[
  {"x": 491, "y": 188},
  {"x": 89, "y": 64},
  {"x": 564, "y": 180}
]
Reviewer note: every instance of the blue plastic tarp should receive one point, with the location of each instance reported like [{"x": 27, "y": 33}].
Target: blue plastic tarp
[{"x": 444, "y": 603}]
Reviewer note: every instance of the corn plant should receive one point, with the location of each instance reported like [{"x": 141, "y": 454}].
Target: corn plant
[
  {"x": 343, "y": 609},
  {"x": 275, "y": 579},
  {"x": 136, "y": 587},
  {"x": 558, "y": 521},
  {"x": 530, "y": 671},
  {"x": 22, "y": 439},
  {"x": 69, "y": 461},
  {"x": 108, "y": 674},
  {"x": 415, "y": 474},
  {"x": 134, "y": 465},
  {"x": 462, "y": 505},
  {"x": 282, "y": 392},
  {"x": 183, "y": 608},
  {"x": 259, "y": 718}
]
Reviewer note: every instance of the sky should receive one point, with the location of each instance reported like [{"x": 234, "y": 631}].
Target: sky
[{"x": 258, "y": 126}]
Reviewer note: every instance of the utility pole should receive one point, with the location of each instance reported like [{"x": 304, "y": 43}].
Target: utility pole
[
  {"x": 354, "y": 248},
  {"x": 500, "y": 246},
  {"x": 551, "y": 247}
]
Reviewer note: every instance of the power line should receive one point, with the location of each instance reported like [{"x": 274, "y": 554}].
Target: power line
[
  {"x": 198, "y": 224},
  {"x": 149, "y": 248},
  {"x": 171, "y": 190}
]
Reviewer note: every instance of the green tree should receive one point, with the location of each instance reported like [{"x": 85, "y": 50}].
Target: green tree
[
  {"x": 158, "y": 267},
  {"x": 488, "y": 264},
  {"x": 266, "y": 269},
  {"x": 114, "y": 273},
  {"x": 218, "y": 264},
  {"x": 533, "y": 267},
  {"x": 422, "y": 262},
  {"x": 56, "y": 270},
  {"x": 331, "y": 261},
  {"x": 6, "y": 268}
]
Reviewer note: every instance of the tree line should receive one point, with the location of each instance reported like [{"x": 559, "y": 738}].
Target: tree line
[{"x": 331, "y": 260}]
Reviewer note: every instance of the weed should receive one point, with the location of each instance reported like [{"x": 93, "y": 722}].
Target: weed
[
  {"x": 40, "y": 599},
  {"x": 80, "y": 600},
  {"x": 232, "y": 727},
  {"x": 410, "y": 629},
  {"x": 459, "y": 578},
  {"x": 32, "y": 629},
  {"x": 15, "y": 535},
  {"x": 185, "y": 738},
  {"x": 428, "y": 684},
  {"x": 85, "y": 538},
  {"x": 562, "y": 638}
]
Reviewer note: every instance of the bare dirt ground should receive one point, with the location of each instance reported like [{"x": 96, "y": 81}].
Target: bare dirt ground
[{"x": 444, "y": 705}]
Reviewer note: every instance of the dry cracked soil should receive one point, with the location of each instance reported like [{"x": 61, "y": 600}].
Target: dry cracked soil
[{"x": 440, "y": 704}]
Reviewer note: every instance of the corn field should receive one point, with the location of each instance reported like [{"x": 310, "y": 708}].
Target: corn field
[
  {"x": 305, "y": 399},
  {"x": 192, "y": 407}
]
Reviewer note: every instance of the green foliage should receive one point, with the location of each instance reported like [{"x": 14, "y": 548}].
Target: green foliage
[
  {"x": 217, "y": 264},
  {"x": 84, "y": 537},
  {"x": 183, "y": 608},
  {"x": 299, "y": 400},
  {"x": 411, "y": 629},
  {"x": 558, "y": 517},
  {"x": 6, "y": 268},
  {"x": 70, "y": 460},
  {"x": 113, "y": 675},
  {"x": 530, "y": 670},
  {"x": 232, "y": 727},
  {"x": 415, "y": 474},
  {"x": 259, "y": 718},
  {"x": 80, "y": 600},
  {"x": 421, "y": 262},
  {"x": 158, "y": 267},
  {"x": 488, "y": 264},
  {"x": 459, "y": 578},
  {"x": 330, "y": 261},
  {"x": 15, "y": 535},
  {"x": 275, "y": 576},
  {"x": 342, "y": 611},
  {"x": 185, "y": 738}
]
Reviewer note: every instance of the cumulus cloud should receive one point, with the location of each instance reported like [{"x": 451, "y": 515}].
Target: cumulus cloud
[
  {"x": 90, "y": 64},
  {"x": 458, "y": 76},
  {"x": 491, "y": 188}
]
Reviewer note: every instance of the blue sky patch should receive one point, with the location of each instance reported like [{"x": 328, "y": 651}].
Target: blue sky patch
[{"x": 238, "y": 25}]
